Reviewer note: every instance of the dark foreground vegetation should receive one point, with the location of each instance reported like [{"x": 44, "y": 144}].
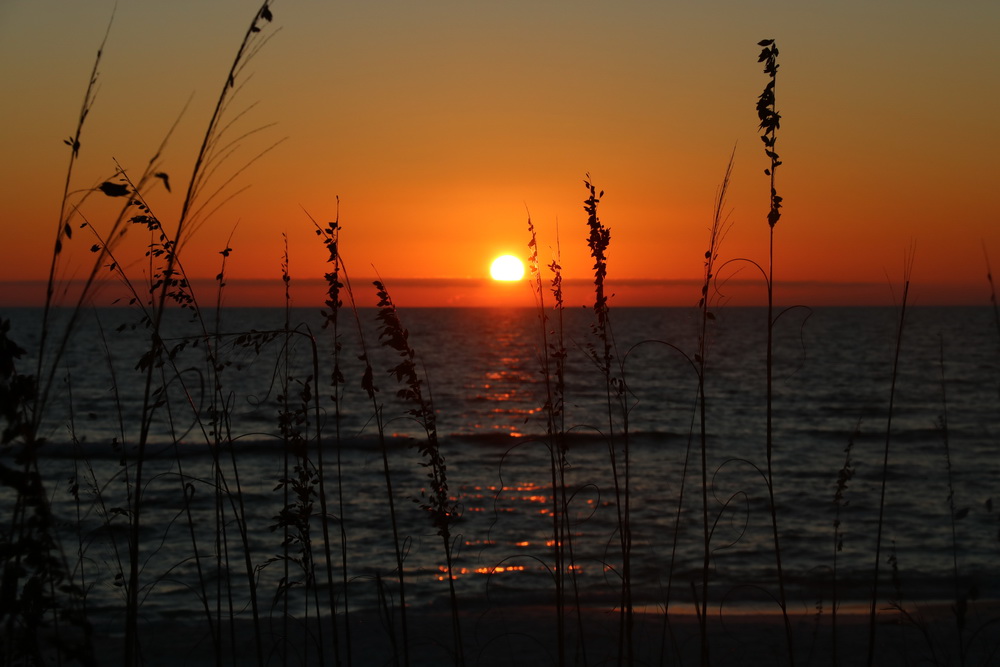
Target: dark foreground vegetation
[{"x": 45, "y": 583}]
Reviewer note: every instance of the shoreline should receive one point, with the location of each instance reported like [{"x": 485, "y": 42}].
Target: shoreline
[{"x": 500, "y": 634}]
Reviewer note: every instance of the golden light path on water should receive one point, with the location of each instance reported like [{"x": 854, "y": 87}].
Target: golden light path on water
[
  {"x": 523, "y": 495},
  {"x": 506, "y": 382},
  {"x": 504, "y": 386}
]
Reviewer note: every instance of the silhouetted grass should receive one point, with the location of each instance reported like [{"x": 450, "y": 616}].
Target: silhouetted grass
[
  {"x": 616, "y": 430},
  {"x": 885, "y": 463},
  {"x": 437, "y": 502},
  {"x": 717, "y": 232},
  {"x": 844, "y": 475},
  {"x": 770, "y": 121},
  {"x": 288, "y": 583},
  {"x": 553, "y": 373}
]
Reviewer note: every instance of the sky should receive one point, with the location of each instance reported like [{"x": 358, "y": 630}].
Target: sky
[{"x": 442, "y": 125}]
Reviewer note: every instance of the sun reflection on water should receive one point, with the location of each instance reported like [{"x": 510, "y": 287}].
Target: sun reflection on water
[{"x": 508, "y": 386}]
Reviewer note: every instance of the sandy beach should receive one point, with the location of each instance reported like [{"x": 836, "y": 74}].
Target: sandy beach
[{"x": 526, "y": 635}]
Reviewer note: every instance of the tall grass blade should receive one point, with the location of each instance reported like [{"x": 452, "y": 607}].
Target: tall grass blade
[{"x": 872, "y": 614}]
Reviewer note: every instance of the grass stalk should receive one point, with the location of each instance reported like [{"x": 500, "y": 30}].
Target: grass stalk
[
  {"x": 556, "y": 382},
  {"x": 844, "y": 475},
  {"x": 555, "y": 441},
  {"x": 168, "y": 286},
  {"x": 63, "y": 229},
  {"x": 285, "y": 420},
  {"x": 598, "y": 240},
  {"x": 35, "y": 556},
  {"x": 961, "y": 606},
  {"x": 437, "y": 503},
  {"x": 330, "y": 234},
  {"x": 717, "y": 232},
  {"x": 872, "y": 614},
  {"x": 331, "y": 321},
  {"x": 770, "y": 121},
  {"x": 993, "y": 291}
]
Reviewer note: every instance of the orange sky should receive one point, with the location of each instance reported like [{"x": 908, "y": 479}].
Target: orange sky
[{"x": 441, "y": 124}]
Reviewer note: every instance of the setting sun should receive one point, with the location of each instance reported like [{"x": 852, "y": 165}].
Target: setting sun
[{"x": 507, "y": 267}]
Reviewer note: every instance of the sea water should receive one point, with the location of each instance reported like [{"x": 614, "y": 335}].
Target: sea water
[{"x": 634, "y": 434}]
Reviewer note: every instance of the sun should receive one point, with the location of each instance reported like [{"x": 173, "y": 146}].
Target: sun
[{"x": 507, "y": 267}]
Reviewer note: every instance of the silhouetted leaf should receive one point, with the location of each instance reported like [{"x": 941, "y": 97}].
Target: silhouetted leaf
[
  {"x": 165, "y": 178},
  {"x": 113, "y": 189},
  {"x": 265, "y": 13},
  {"x": 368, "y": 382},
  {"x": 962, "y": 513}
]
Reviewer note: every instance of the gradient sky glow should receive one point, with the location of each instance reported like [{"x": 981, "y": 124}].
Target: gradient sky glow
[{"x": 440, "y": 125}]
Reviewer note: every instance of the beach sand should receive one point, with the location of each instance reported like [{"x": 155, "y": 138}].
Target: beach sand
[{"x": 519, "y": 636}]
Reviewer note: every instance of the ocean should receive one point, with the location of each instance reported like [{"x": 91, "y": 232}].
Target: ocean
[{"x": 212, "y": 500}]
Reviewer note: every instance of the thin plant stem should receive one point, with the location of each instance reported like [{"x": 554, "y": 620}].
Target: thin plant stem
[
  {"x": 554, "y": 439},
  {"x": 993, "y": 291},
  {"x": 961, "y": 599},
  {"x": 168, "y": 280},
  {"x": 63, "y": 229},
  {"x": 770, "y": 121},
  {"x": 437, "y": 502},
  {"x": 717, "y": 232},
  {"x": 845, "y": 475},
  {"x": 872, "y": 614},
  {"x": 615, "y": 391},
  {"x": 368, "y": 385},
  {"x": 332, "y": 321}
]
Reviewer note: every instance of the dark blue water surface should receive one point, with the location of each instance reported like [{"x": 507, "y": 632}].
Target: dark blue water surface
[{"x": 215, "y": 455}]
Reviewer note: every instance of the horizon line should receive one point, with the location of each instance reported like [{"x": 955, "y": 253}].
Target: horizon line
[{"x": 485, "y": 292}]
